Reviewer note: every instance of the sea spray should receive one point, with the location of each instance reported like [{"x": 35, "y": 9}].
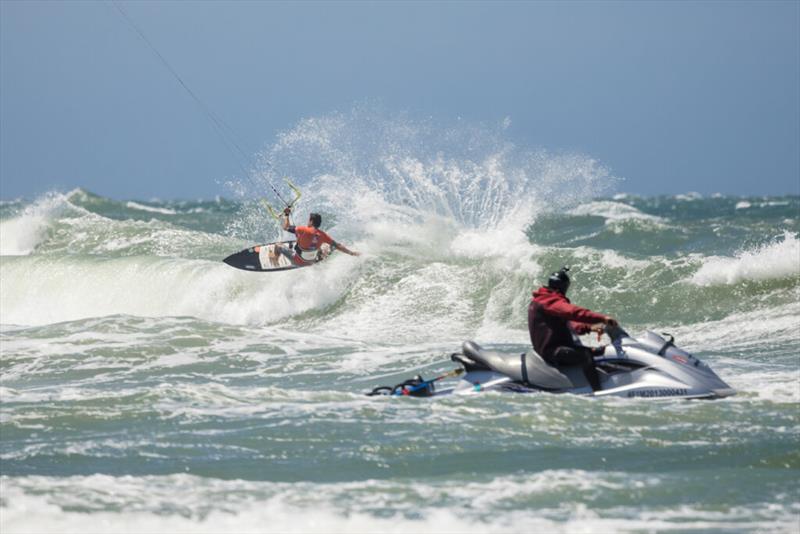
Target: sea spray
[{"x": 369, "y": 164}]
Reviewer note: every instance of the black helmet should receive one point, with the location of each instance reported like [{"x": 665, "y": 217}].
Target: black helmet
[{"x": 559, "y": 281}]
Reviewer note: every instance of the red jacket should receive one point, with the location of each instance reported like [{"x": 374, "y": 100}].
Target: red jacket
[{"x": 552, "y": 319}]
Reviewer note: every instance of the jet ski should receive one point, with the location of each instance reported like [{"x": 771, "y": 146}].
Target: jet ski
[{"x": 649, "y": 366}]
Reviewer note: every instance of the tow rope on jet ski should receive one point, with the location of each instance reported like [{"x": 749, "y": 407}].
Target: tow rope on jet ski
[{"x": 414, "y": 387}]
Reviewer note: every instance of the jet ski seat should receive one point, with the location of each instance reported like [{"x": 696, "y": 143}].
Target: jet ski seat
[{"x": 528, "y": 368}]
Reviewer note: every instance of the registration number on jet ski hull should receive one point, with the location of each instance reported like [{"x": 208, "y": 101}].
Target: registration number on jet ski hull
[{"x": 661, "y": 392}]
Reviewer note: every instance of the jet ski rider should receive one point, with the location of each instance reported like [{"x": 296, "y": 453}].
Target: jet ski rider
[
  {"x": 553, "y": 323},
  {"x": 309, "y": 243}
]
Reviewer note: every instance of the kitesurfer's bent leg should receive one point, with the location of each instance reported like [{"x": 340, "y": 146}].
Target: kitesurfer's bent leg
[
  {"x": 578, "y": 356},
  {"x": 289, "y": 253}
]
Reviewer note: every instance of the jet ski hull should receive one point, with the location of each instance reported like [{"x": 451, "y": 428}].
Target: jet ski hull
[
  {"x": 649, "y": 367},
  {"x": 646, "y": 386}
]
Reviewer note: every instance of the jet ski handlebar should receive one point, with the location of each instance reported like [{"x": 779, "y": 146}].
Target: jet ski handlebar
[{"x": 615, "y": 332}]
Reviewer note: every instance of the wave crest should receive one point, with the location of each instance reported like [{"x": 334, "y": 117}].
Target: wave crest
[
  {"x": 775, "y": 260},
  {"x": 23, "y": 232}
]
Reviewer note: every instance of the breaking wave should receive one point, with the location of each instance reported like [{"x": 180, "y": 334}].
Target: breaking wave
[
  {"x": 21, "y": 232},
  {"x": 778, "y": 259},
  {"x": 457, "y": 225}
]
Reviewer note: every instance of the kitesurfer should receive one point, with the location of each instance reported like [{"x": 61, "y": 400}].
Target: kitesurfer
[
  {"x": 553, "y": 323},
  {"x": 310, "y": 240}
]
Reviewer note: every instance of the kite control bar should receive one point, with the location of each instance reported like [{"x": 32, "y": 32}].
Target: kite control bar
[{"x": 297, "y": 195}]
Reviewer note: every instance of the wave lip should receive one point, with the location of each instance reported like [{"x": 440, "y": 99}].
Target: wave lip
[
  {"x": 152, "y": 209},
  {"x": 614, "y": 211},
  {"x": 20, "y": 235},
  {"x": 776, "y": 260}
]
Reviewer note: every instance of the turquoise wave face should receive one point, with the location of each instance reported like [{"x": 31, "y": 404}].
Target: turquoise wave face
[
  {"x": 643, "y": 227},
  {"x": 651, "y": 262}
]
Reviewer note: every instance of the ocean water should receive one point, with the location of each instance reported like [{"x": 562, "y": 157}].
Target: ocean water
[{"x": 148, "y": 387}]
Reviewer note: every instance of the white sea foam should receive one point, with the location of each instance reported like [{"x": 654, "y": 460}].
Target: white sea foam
[
  {"x": 20, "y": 235},
  {"x": 748, "y": 330},
  {"x": 509, "y": 249},
  {"x": 185, "y": 503},
  {"x": 429, "y": 301},
  {"x": 85, "y": 232},
  {"x": 610, "y": 259},
  {"x": 689, "y": 197},
  {"x": 54, "y": 289},
  {"x": 614, "y": 212},
  {"x": 755, "y": 349},
  {"x": 775, "y": 260},
  {"x": 57, "y": 224},
  {"x": 152, "y": 209}
]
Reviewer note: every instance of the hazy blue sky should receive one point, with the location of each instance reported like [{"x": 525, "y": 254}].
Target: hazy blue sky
[{"x": 674, "y": 97}]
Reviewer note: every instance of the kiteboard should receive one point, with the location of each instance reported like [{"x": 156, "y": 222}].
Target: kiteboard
[{"x": 265, "y": 258}]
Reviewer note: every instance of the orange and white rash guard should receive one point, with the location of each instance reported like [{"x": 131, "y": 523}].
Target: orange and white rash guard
[{"x": 309, "y": 239}]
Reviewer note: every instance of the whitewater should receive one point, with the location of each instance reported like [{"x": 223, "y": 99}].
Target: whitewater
[{"x": 148, "y": 387}]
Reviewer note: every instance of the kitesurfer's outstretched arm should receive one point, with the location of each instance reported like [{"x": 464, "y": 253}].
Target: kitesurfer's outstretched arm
[{"x": 344, "y": 249}]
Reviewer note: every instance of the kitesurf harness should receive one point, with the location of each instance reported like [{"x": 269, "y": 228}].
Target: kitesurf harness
[
  {"x": 307, "y": 255},
  {"x": 414, "y": 387}
]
